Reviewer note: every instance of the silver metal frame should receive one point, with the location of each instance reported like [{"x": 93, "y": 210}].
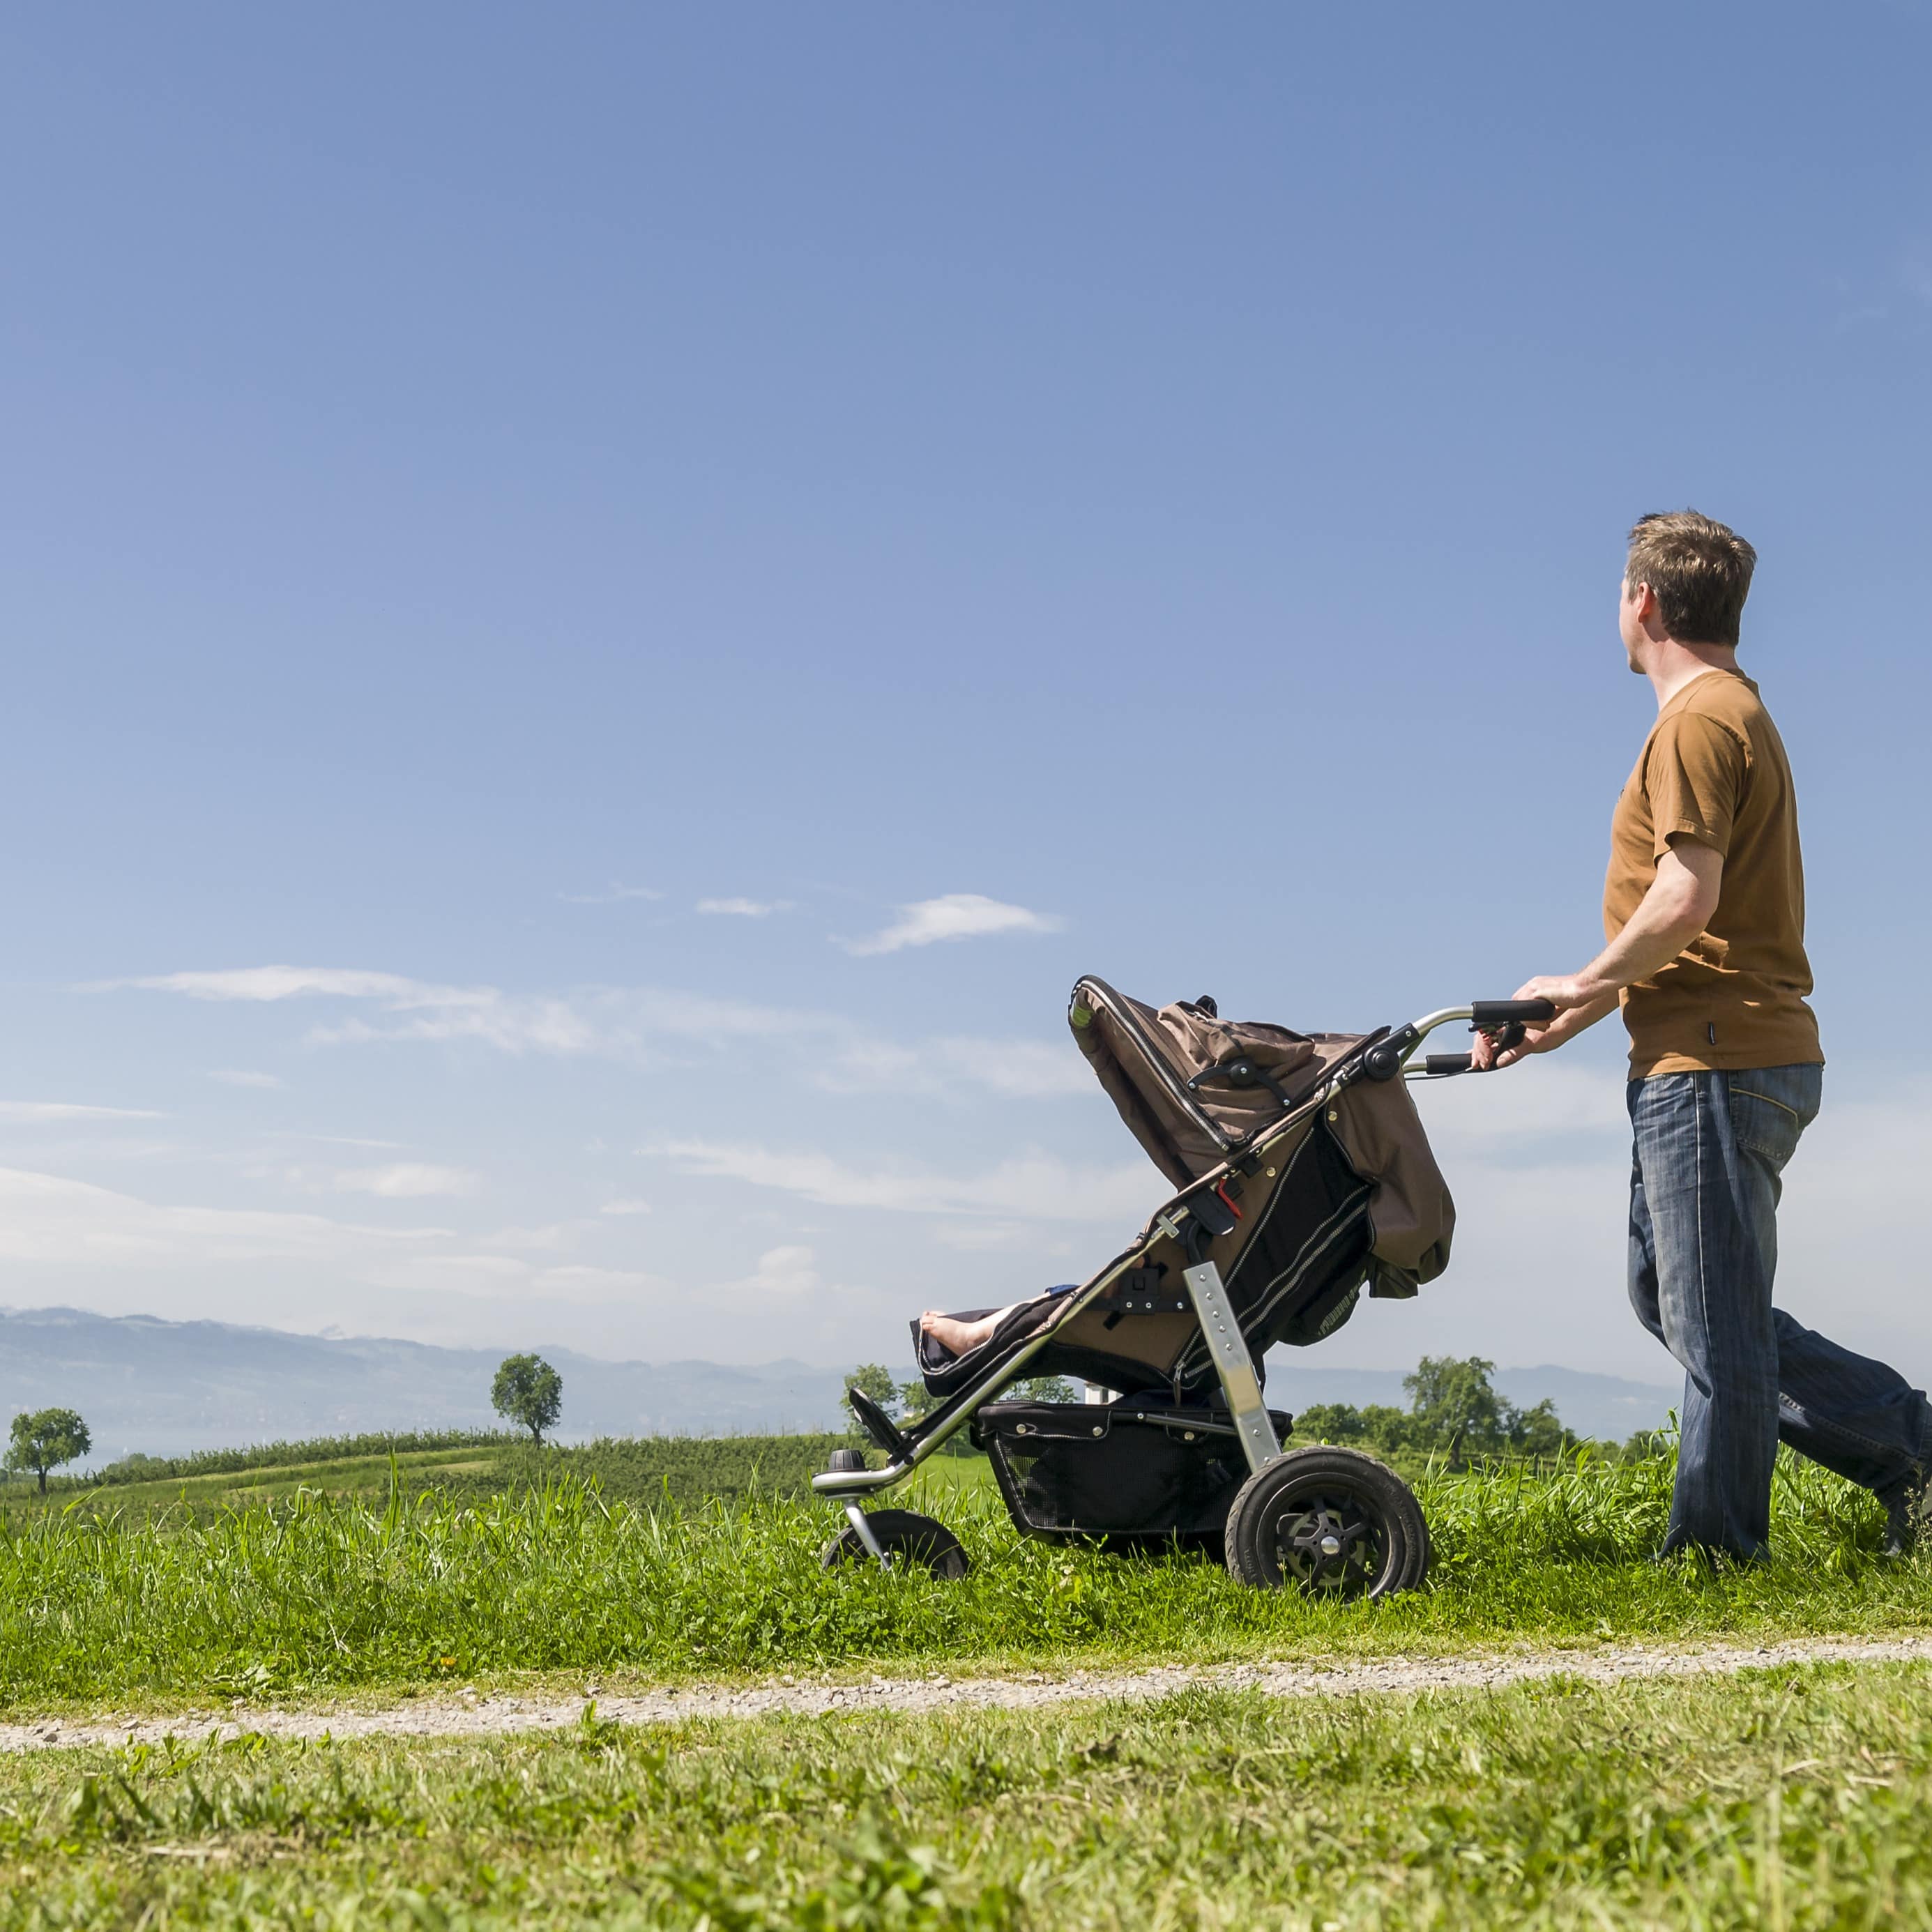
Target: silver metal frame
[
  {"x": 1233, "y": 1364},
  {"x": 1424, "y": 1027},
  {"x": 863, "y": 1529}
]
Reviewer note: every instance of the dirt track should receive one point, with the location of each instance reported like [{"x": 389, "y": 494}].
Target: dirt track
[{"x": 471, "y": 1715}]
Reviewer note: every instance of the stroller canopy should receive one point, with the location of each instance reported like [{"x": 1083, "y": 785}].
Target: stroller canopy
[{"x": 1192, "y": 1087}]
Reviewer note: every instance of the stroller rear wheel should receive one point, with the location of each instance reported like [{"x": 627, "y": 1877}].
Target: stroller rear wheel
[
  {"x": 1332, "y": 1522},
  {"x": 906, "y": 1538}
]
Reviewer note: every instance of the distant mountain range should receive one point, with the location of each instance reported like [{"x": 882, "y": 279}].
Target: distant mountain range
[{"x": 171, "y": 1387}]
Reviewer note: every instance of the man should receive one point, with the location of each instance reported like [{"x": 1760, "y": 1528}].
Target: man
[{"x": 1704, "y": 911}]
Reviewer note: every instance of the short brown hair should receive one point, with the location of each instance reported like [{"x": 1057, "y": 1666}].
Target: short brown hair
[{"x": 1700, "y": 571}]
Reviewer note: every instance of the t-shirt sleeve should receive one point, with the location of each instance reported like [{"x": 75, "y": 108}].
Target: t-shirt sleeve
[{"x": 1694, "y": 777}]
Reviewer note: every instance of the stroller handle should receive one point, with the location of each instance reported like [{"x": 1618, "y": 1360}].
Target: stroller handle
[
  {"x": 1504, "y": 1020},
  {"x": 1484, "y": 1014}
]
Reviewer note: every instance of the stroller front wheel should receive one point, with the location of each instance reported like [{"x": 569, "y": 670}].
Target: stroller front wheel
[
  {"x": 1332, "y": 1522},
  {"x": 907, "y": 1539}
]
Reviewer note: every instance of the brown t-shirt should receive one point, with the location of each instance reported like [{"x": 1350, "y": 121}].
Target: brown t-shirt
[{"x": 1713, "y": 770}]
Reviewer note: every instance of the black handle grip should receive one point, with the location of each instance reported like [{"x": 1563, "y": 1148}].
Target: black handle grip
[
  {"x": 1438, "y": 1066},
  {"x": 1487, "y": 1013}
]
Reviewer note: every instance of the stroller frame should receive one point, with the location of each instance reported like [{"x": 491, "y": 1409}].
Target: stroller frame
[{"x": 1189, "y": 1219}]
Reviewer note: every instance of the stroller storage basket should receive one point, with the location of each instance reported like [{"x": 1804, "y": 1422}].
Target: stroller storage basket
[{"x": 1138, "y": 1470}]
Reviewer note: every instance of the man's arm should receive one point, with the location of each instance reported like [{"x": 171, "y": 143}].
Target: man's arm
[{"x": 1678, "y": 907}]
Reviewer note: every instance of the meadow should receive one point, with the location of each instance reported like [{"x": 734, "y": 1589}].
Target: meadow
[
  {"x": 472, "y": 1466},
  {"x": 1799, "y": 1798},
  {"x": 305, "y": 1592}
]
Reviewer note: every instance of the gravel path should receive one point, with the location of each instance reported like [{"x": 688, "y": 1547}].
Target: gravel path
[{"x": 469, "y": 1714}]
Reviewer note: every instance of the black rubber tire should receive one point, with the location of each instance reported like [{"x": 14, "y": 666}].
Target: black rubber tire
[
  {"x": 906, "y": 1538},
  {"x": 1332, "y": 1522}
]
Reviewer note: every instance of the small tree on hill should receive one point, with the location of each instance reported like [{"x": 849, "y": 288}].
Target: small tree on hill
[
  {"x": 46, "y": 1439},
  {"x": 530, "y": 1393}
]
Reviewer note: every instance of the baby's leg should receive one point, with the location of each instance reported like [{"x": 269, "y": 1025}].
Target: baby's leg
[{"x": 962, "y": 1337}]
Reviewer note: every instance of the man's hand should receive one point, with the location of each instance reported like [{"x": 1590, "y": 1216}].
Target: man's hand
[
  {"x": 1580, "y": 1004},
  {"x": 1574, "y": 989}
]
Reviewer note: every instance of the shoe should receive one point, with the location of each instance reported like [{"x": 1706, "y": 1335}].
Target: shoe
[{"x": 1905, "y": 1509}]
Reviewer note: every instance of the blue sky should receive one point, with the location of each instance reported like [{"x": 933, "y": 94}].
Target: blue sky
[{"x": 562, "y": 528}]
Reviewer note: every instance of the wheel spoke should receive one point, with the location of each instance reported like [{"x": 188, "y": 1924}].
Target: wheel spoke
[{"x": 1326, "y": 1542}]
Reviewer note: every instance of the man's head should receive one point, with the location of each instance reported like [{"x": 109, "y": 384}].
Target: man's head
[{"x": 1686, "y": 580}]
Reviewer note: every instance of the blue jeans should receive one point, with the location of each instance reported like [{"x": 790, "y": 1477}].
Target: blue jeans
[{"x": 1710, "y": 1149}]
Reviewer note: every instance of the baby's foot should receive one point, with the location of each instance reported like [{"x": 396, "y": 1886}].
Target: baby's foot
[{"x": 958, "y": 1337}]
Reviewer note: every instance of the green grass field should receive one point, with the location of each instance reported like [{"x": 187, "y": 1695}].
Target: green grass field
[
  {"x": 1795, "y": 1799},
  {"x": 301, "y": 1592},
  {"x": 463, "y": 1466}
]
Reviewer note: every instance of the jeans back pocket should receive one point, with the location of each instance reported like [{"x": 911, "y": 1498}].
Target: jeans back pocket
[{"x": 1771, "y": 1106}]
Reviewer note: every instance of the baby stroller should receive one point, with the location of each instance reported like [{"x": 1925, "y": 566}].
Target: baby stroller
[{"x": 1305, "y": 1179}]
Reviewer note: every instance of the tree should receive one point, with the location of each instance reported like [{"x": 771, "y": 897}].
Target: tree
[
  {"x": 530, "y": 1393},
  {"x": 1454, "y": 1406},
  {"x": 1342, "y": 1422},
  {"x": 1452, "y": 1410},
  {"x": 46, "y": 1439},
  {"x": 1041, "y": 1388}
]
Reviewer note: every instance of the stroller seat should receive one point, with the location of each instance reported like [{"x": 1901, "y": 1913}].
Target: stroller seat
[{"x": 1340, "y": 1198}]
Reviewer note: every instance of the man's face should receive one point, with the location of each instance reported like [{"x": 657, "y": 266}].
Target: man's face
[{"x": 1631, "y": 598}]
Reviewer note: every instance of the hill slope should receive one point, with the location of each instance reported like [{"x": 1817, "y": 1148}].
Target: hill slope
[{"x": 171, "y": 1387}]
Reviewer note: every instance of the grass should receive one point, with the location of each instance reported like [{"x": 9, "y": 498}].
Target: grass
[
  {"x": 465, "y": 1466},
  {"x": 1792, "y": 1799},
  {"x": 318, "y": 1595}
]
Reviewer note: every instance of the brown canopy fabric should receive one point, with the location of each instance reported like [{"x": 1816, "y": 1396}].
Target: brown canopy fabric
[
  {"x": 1145, "y": 1058},
  {"x": 1326, "y": 1200}
]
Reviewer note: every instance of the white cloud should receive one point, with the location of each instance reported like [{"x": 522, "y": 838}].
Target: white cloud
[
  {"x": 620, "y": 1021},
  {"x": 1916, "y": 272},
  {"x": 745, "y": 908},
  {"x": 233, "y": 1077},
  {"x": 1540, "y": 1107},
  {"x": 34, "y": 1112},
  {"x": 1016, "y": 1070},
  {"x": 1034, "y": 1185},
  {"x": 626, "y": 1208},
  {"x": 612, "y": 895},
  {"x": 290, "y": 983},
  {"x": 494, "y": 1267},
  {"x": 974, "y": 1237},
  {"x": 576, "y": 1283},
  {"x": 636, "y": 1025},
  {"x": 786, "y": 1270},
  {"x": 46, "y": 1218},
  {"x": 407, "y": 1180},
  {"x": 557, "y": 1234},
  {"x": 952, "y": 915}
]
